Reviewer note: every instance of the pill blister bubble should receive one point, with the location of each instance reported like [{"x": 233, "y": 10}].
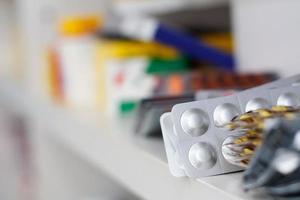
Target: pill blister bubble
[
  {"x": 257, "y": 103},
  {"x": 194, "y": 122},
  {"x": 202, "y": 156},
  {"x": 288, "y": 99},
  {"x": 224, "y": 113}
]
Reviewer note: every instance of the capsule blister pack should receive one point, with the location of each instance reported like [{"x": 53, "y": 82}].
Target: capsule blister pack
[{"x": 194, "y": 132}]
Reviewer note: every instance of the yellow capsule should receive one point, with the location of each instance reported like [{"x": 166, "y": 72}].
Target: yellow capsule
[
  {"x": 244, "y": 139},
  {"x": 260, "y": 125},
  {"x": 238, "y": 141},
  {"x": 242, "y": 155},
  {"x": 252, "y": 132},
  {"x": 248, "y": 151},
  {"x": 230, "y": 126},
  {"x": 257, "y": 142},
  {"x": 264, "y": 113},
  {"x": 280, "y": 108},
  {"x": 246, "y": 116}
]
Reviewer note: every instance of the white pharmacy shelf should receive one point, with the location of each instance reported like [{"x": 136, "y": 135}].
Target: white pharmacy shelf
[
  {"x": 139, "y": 164},
  {"x": 160, "y": 7}
]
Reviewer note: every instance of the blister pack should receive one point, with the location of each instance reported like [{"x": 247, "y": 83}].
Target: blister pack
[
  {"x": 150, "y": 109},
  {"x": 194, "y": 132}
]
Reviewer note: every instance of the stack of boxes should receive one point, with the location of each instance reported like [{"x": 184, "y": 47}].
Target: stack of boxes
[{"x": 91, "y": 70}]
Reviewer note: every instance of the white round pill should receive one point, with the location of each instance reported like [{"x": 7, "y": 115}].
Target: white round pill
[
  {"x": 202, "y": 156},
  {"x": 288, "y": 99},
  {"x": 194, "y": 122},
  {"x": 224, "y": 113},
  {"x": 257, "y": 103}
]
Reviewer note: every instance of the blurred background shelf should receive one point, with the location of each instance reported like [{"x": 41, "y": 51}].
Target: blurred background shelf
[
  {"x": 162, "y": 7},
  {"x": 107, "y": 145}
]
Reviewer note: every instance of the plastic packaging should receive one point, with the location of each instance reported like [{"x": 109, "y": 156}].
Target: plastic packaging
[{"x": 76, "y": 56}]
